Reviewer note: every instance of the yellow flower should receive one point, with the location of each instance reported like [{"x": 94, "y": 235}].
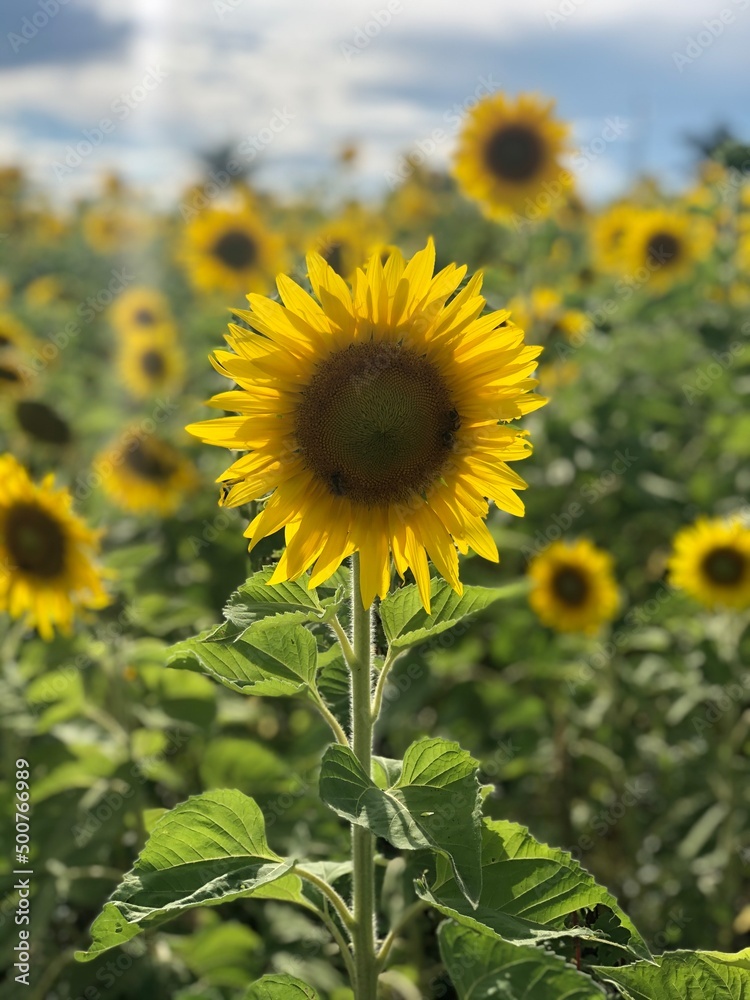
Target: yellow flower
[
  {"x": 44, "y": 291},
  {"x": 608, "y": 231},
  {"x": 711, "y": 561},
  {"x": 14, "y": 335},
  {"x": 47, "y": 570},
  {"x": 375, "y": 420},
  {"x": 230, "y": 251},
  {"x": 14, "y": 377},
  {"x": 574, "y": 325},
  {"x": 144, "y": 474},
  {"x": 151, "y": 364},
  {"x": 573, "y": 586},
  {"x": 140, "y": 310},
  {"x": 668, "y": 243},
  {"x": 347, "y": 242},
  {"x": 508, "y": 157}
]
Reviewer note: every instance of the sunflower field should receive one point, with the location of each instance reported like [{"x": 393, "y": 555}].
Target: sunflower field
[{"x": 375, "y": 583}]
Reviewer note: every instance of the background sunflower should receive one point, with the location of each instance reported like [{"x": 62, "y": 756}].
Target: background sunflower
[
  {"x": 508, "y": 157},
  {"x": 573, "y": 586}
]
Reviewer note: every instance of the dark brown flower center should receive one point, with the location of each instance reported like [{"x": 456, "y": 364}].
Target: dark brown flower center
[
  {"x": 236, "y": 249},
  {"x": 153, "y": 363},
  {"x": 570, "y": 585},
  {"x": 333, "y": 255},
  {"x": 144, "y": 317},
  {"x": 663, "y": 249},
  {"x": 35, "y": 540},
  {"x": 9, "y": 374},
  {"x": 515, "y": 153},
  {"x": 41, "y": 422},
  {"x": 148, "y": 463},
  {"x": 724, "y": 566},
  {"x": 376, "y": 423}
]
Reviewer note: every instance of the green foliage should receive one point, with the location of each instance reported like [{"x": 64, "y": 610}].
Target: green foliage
[
  {"x": 430, "y": 801},
  {"x": 406, "y": 623},
  {"x": 280, "y": 988},
  {"x": 698, "y": 975},
  {"x": 209, "y": 850},
  {"x": 529, "y": 892},
  {"x": 481, "y": 968}
]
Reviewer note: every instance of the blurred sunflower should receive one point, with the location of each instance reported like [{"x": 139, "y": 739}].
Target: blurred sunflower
[
  {"x": 151, "y": 364},
  {"x": 607, "y": 234},
  {"x": 140, "y": 310},
  {"x": 231, "y": 252},
  {"x": 47, "y": 569},
  {"x": 347, "y": 242},
  {"x": 669, "y": 243},
  {"x": 573, "y": 324},
  {"x": 375, "y": 419},
  {"x": 15, "y": 379},
  {"x": 573, "y": 586},
  {"x": 46, "y": 290},
  {"x": 144, "y": 474},
  {"x": 711, "y": 561},
  {"x": 110, "y": 229},
  {"x": 508, "y": 155},
  {"x": 14, "y": 334}
]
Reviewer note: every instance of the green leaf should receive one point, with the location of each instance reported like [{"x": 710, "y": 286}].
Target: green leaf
[
  {"x": 406, "y": 623},
  {"x": 483, "y": 968},
  {"x": 434, "y": 804},
  {"x": 684, "y": 975},
  {"x": 256, "y": 599},
  {"x": 271, "y": 658},
  {"x": 208, "y": 850},
  {"x": 528, "y": 891},
  {"x": 280, "y": 988}
]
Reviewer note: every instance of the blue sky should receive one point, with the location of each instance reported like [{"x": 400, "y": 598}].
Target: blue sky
[{"x": 150, "y": 83}]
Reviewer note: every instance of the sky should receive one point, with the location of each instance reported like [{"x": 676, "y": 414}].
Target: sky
[{"x": 145, "y": 86}]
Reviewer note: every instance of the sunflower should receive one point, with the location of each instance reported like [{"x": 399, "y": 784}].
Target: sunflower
[
  {"x": 667, "y": 242},
  {"x": 711, "y": 561},
  {"x": 143, "y": 474},
  {"x": 573, "y": 586},
  {"x": 14, "y": 335},
  {"x": 508, "y": 156},
  {"x": 151, "y": 364},
  {"x": 46, "y": 290},
  {"x": 47, "y": 569},
  {"x": 347, "y": 242},
  {"x": 14, "y": 377},
  {"x": 140, "y": 310},
  {"x": 230, "y": 251},
  {"x": 607, "y": 233},
  {"x": 375, "y": 420}
]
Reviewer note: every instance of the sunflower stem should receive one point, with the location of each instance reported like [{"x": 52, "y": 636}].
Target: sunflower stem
[{"x": 363, "y": 842}]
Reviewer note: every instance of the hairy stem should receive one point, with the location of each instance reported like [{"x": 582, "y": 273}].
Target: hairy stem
[{"x": 363, "y": 934}]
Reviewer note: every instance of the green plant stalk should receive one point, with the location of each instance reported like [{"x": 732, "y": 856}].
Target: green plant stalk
[{"x": 363, "y": 843}]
